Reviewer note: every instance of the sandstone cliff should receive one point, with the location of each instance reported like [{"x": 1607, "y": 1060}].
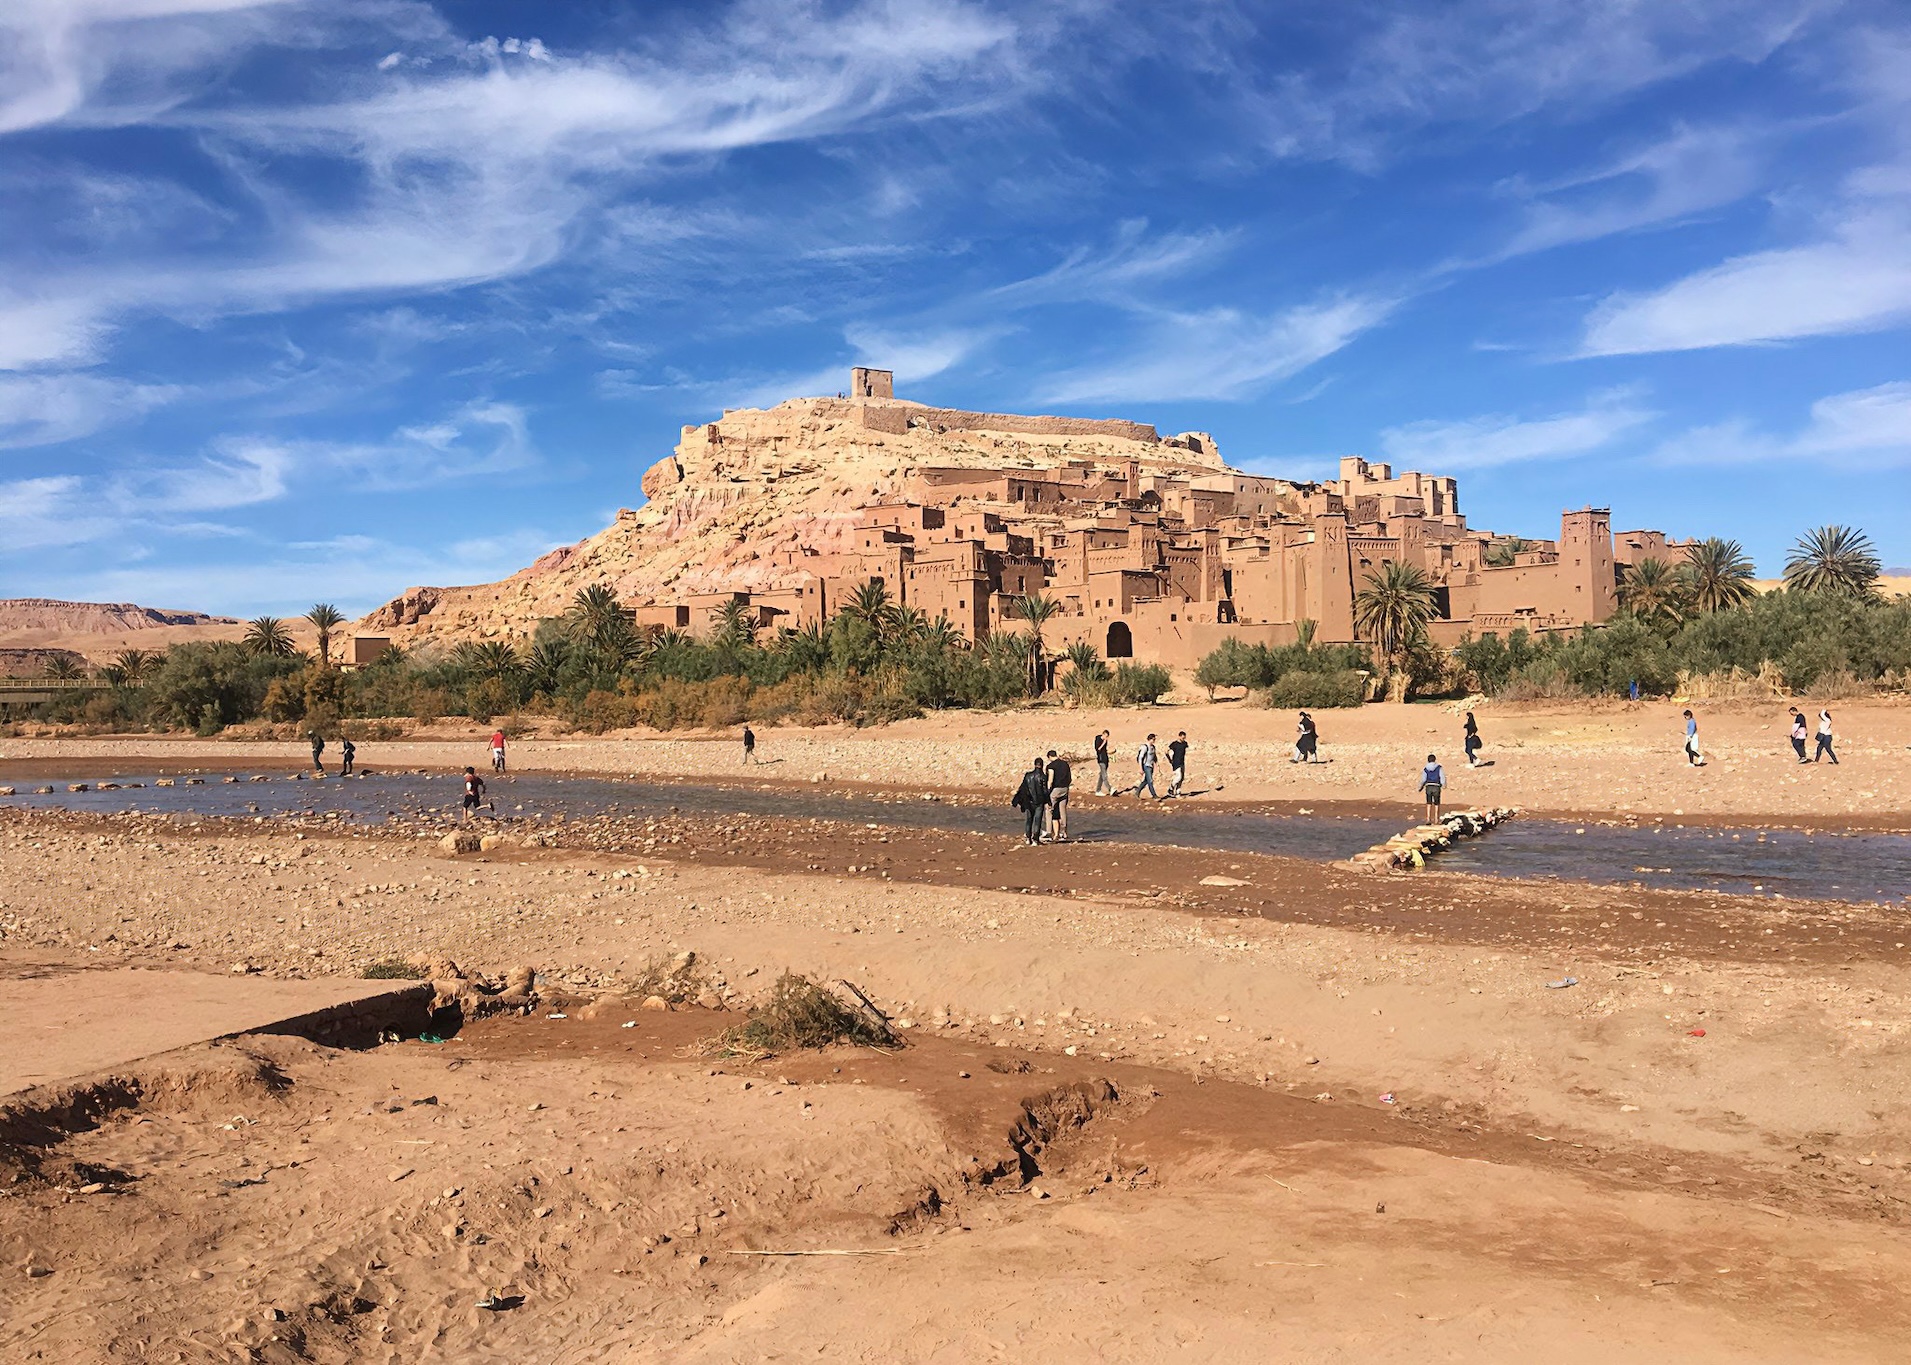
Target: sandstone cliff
[
  {"x": 740, "y": 500},
  {"x": 92, "y": 618}
]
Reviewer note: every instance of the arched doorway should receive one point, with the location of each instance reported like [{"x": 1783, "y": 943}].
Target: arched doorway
[{"x": 1121, "y": 642}]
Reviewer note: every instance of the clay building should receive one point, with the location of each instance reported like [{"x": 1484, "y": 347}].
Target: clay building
[{"x": 1150, "y": 561}]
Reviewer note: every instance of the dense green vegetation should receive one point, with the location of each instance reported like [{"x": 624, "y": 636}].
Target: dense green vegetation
[{"x": 594, "y": 670}]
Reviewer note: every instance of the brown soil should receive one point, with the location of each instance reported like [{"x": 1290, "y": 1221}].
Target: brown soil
[{"x": 1172, "y": 1135}]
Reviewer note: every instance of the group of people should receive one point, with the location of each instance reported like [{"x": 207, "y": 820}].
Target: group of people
[
  {"x": 1043, "y": 793},
  {"x": 347, "y": 755},
  {"x": 1798, "y": 727}
]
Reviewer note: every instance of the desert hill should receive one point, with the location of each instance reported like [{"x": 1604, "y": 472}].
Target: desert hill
[
  {"x": 740, "y": 500},
  {"x": 34, "y": 628}
]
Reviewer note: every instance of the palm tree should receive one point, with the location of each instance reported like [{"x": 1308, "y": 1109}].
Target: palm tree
[
  {"x": 325, "y": 618},
  {"x": 1393, "y": 607},
  {"x": 267, "y": 635},
  {"x": 1038, "y": 611},
  {"x": 546, "y": 664},
  {"x": 871, "y": 605},
  {"x": 63, "y": 668},
  {"x": 1085, "y": 660},
  {"x": 941, "y": 634},
  {"x": 487, "y": 658},
  {"x": 736, "y": 623},
  {"x": 133, "y": 666},
  {"x": 1503, "y": 553},
  {"x": 1836, "y": 560},
  {"x": 1304, "y": 631},
  {"x": 908, "y": 626},
  {"x": 806, "y": 647},
  {"x": 597, "y": 617},
  {"x": 1653, "y": 591},
  {"x": 1719, "y": 574}
]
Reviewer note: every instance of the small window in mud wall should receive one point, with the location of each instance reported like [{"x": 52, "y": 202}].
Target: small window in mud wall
[{"x": 1121, "y": 641}]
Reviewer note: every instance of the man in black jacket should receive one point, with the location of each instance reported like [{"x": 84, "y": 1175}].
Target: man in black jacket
[{"x": 1032, "y": 799}]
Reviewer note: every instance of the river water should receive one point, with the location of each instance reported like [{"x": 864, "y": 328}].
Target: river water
[{"x": 1874, "y": 867}]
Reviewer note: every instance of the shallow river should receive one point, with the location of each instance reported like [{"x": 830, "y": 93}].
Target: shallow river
[{"x": 1773, "y": 862}]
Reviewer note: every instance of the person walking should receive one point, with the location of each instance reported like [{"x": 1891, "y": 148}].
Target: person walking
[
  {"x": 749, "y": 745},
  {"x": 1103, "y": 787},
  {"x": 347, "y": 751},
  {"x": 1824, "y": 749},
  {"x": 497, "y": 751},
  {"x": 318, "y": 750},
  {"x": 1146, "y": 757},
  {"x": 1800, "y": 733},
  {"x": 1060, "y": 775},
  {"x": 1031, "y": 798},
  {"x": 473, "y": 794},
  {"x": 1177, "y": 762},
  {"x": 1472, "y": 741},
  {"x": 1307, "y": 747},
  {"x": 1433, "y": 781},
  {"x": 1692, "y": 754}
]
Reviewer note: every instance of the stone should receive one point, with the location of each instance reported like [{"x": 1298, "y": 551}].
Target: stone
[
  {"x": 489, "y": 842},
  {"x": 462, "y": 841},
  {"x": 1222, "y": 881},
  {"x": 655, "y": 1002}
]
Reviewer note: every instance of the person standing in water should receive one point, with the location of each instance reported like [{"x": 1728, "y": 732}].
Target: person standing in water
[
  {"x": 473, "y": 794},
  {"x": 1031, "y": 798},
  {"x": 1824, "y": 739},
  {"x": 347, "y": 751},
  {"x": 1146, "y": 757},
  {"x": 749, "y": 745},
  {"x": 1800, "y": 733},
  {"x": 1692, "y": 754},
  {"x": 1433, "y": 781},
  {"x": 1178, "y": 762},
  {"x": 1472, "y": 741},
  {"x": 1060, "y": 775},
  {"x": 318, "y": 749},
  {"x": 1103, "y": 787},
  {"x": 497, "y": 750}
]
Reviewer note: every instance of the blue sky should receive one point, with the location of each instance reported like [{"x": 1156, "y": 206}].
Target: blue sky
[{"x": 321, "y": 300}]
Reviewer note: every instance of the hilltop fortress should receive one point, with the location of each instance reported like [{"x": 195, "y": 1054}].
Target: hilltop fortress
[{"x": 1153, "y": 547}]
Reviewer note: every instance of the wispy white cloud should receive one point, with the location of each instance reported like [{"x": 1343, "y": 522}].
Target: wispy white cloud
[
  {"x": 1497, "y": 439},
  {"x": 1856, "y": 280},
  {"x": 1689, "y": 172},
  {"x": 1221, "y": 353},
  {"x": 1493, "y": 61},
  {"x": 1113, "y": 273},
  {"x": 45, "y": 409},
  {"x": 481, "y": 167},
  {"x": 1864, "y": 429},
  {"x": 916, "y": 356},
  {"x": 103, "y": 61}
]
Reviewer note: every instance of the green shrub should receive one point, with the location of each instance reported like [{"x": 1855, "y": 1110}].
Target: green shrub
[
  {"x": 1142, "y": 684},
  {"x": 1317, "y": 691}
]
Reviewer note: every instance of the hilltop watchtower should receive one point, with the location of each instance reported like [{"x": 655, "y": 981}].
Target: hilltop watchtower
[{"x": 867, "y": 383}]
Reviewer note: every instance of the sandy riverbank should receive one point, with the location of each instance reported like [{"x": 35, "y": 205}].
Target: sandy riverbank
[
  {"x": 1591, "y": 760},
  {"x": 1697, "y": 1150}
]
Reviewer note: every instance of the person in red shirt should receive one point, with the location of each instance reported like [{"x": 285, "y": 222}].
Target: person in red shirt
[{"x": 497, "y": 751}]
